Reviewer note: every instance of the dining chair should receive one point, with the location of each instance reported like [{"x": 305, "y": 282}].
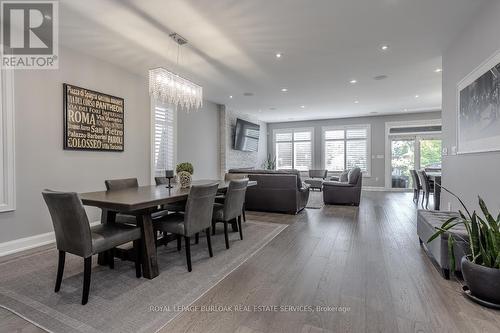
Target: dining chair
[
  {"x": 221, "y": 196},
  {"x": 426, "y": 187},
  {"x": 196, "y": 218},
  {"x": 231, "y": 209},
  {"x": 74, "y": 235},
  {"x": 172, "y": 207},
  {"x": 417, "y": 187}
]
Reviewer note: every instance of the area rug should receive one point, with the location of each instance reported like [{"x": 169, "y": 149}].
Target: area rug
[
  {"x": 119, "y": 302},
  {"x": 315, "y": 200}
]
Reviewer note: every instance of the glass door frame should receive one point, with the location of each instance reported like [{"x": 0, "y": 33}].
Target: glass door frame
[{"x": 417, "y": 136}]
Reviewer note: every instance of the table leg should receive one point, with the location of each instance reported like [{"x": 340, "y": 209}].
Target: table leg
[
  {"x": 107, "y": 216},
  {"x": 437, "y": 193},
  {"x": 149, "y": 259}
]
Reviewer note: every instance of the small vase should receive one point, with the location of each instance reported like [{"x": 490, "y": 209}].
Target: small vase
[{"x": 184, "y": 179}]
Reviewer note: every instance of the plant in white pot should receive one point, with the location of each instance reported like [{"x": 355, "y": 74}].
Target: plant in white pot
[
  {"x": 184, "y": 172},
  {"x": 481, "y": 266}
]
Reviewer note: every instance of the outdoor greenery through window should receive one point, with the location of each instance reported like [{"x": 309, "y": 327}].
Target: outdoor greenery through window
[
  {"x": 294, "y": 149},
  {"x": 345, "y": 148}
]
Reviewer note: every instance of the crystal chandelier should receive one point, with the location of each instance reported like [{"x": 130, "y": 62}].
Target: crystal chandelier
[{"x": 170, "y": 88}]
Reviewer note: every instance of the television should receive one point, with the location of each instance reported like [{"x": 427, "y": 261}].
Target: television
[{"x": 246, "y": 136}]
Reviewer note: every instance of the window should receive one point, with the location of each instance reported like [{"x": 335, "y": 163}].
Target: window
[
  {"x": 346, "y": 147},
  {"x": 294, "y": 149},
  {"x": 7, "y": 125},
  {"x": 164, "y": 143}
]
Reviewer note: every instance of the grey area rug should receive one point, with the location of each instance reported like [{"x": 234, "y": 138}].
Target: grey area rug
[
  {"x": 315, "y": 200},
  {"x": 119, "y": 302}
]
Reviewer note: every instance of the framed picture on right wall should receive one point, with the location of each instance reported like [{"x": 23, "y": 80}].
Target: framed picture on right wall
[{"x": 478, "y": 100}]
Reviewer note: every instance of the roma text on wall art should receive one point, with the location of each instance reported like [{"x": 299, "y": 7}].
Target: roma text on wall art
[
  {"x": 92, "y": 120},
  {"x": 479, "y": 109}
]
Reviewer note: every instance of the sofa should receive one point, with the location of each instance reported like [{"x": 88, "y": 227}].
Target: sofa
[
  {"x": 345, "y": 191},
  {"x": 276, "y": 191},
  {"x": 437, "y": 250}
]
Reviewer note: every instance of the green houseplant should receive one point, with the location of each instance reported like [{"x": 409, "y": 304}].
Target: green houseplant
[
  {"x": 184, "y": 172},
  {"x": 269, "y": 163},
  {"x": 481, "y": 266}
]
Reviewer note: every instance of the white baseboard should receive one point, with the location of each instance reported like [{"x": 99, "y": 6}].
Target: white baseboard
[
  {"x": 373, "y": 188},
  {"x": 27, "y": 243}
]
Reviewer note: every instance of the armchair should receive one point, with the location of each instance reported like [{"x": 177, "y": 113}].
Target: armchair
[{"x": 344, "y": 193}]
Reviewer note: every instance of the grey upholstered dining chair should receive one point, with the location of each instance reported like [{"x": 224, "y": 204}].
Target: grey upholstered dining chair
[
  {"x": 426, "y": 187},
  {"x": 172, "y": 207},
  {"x": 222, "y": 196},
  {"x": 197, "y": 217},
  {"x": 417, "y": 187},
  {"x": 231, "y": 209},
  {"x": 74, "y": 235}
]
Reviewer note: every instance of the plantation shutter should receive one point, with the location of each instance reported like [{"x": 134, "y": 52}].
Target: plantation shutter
[
  {"x": 356, "y": 148},
  {"x": 163, "y": 140}
]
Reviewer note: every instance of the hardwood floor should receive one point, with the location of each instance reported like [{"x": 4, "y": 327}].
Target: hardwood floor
[
  {"x": 364, "y": 263},
  {"x": 368, "y": 260}
]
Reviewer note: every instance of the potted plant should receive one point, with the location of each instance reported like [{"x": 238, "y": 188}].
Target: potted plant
[
  {"x": 269, "y": 163},
  {"x": 184, "y": 172},
  {"x": 481, "y": 266}
]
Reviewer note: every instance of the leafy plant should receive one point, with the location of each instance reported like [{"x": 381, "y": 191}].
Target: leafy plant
[
  {"x": 269, "y": 163},
  {"x": 483, "y": 233},
  {"x": 184, "y": 166}
]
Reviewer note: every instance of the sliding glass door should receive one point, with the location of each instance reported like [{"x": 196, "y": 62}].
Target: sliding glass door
[{"x": 412, "y": 152}]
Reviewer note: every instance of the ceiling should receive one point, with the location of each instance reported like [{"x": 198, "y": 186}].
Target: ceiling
[{"x": 324, "y": 44}]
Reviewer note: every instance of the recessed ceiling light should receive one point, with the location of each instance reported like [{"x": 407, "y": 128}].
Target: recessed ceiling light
[
  {"x": 260, "y": 110},
  {"x": 230, "y": 96},
  {"x": 353, "y": 81},
  {"x": 380, "y": 77},
  {"x": 384, "y": 47},
  {"x": 417, "y": 96},
  {"x": 356, "y": 102},
  {"x": 284, "y": 89},
  {"x": 405, "y": 110},
  {"x": 302, "y": 106},
  {"x": 438, "y": 70},
  {"x": 278, "y": 55}
]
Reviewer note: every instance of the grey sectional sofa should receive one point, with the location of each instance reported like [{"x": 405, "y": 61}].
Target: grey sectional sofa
[{"x": 276, "y": 191}]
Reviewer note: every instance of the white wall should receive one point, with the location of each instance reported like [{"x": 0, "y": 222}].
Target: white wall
[
  {"x": 41, "y": 161},
  {"x": 198, "y": 140},
  {"x": 471, "y": 174}
]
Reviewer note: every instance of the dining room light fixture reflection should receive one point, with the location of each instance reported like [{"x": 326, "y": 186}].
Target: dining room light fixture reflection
[{"x": 170, "y": 88}]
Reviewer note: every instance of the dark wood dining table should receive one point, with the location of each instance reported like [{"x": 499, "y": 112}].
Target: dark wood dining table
[
  {"x": 141, "y": 202},
  {"x": 435, "y": 176}
]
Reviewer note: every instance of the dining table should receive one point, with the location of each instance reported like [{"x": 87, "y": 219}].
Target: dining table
[
  {"x": 435, "y": 176},
  {"x": 141, "y": 202}
]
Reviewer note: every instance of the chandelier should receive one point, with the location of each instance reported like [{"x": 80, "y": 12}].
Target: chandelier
[{"x": 170, "y": 88}]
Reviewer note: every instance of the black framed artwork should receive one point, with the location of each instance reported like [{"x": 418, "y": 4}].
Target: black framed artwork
[{"x": 92, "y": 120}]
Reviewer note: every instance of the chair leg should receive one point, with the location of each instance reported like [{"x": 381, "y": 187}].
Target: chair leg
[
  {"x": 111, "y": 258},
  {"x": 87, "y": 267},
  {"x": 209, "y": 242},
  {"x": 239, "y": 227},
  {"x": 427, "y": 200},
  {"x": 178, "y": 242},
  {"x": 187, "y": 240},
  {"x": 244, "y": 214},
  {"x": 423, "y": 199},
  {"x": 60, "y": 270},
  {"x": 197, "y": 238},
  {"x": 226, "y": 236},
  {"x": 137, "y": 250}
]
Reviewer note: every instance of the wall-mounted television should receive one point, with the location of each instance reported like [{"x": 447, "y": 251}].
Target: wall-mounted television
[{"x": 246, "y": 136}]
